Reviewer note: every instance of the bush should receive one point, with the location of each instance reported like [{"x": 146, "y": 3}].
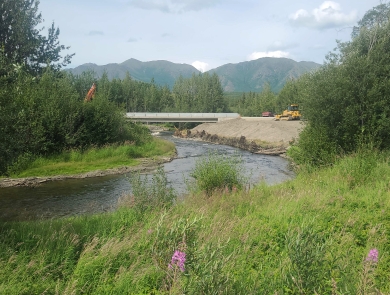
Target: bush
[
  {"x": 217, "y": 172},
  {"x": 314, "y": 148},
  {"x": 151, "y": 194}
]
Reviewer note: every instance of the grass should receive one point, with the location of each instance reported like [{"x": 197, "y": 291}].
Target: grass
[
  {"x": 310, "y": 235},
  {"x": 113, "y": 156}
]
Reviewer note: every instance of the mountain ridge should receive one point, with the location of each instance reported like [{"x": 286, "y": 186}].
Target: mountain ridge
[{"x": 235, "y": 77}]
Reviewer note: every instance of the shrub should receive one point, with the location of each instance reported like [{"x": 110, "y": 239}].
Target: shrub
[
  {"x": 151, "y": 194},
  {"x": 217, "y": 172}
]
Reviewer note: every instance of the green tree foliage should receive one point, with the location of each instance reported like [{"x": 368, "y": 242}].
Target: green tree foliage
[
  {"x": 347, "y": 101},
  {"x": 45, "y": 116},
  {"x": 201, "y": 93},
  {"x": 253, "y": 104},
  {"x": 21, "y": 41}
]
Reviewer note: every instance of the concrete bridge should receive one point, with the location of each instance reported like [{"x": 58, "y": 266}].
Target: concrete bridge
[{"x": 181, "y": 117}]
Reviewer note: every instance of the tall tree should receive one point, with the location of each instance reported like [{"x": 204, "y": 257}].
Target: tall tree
[
  {"x": 21, "y": 41},
  {"x": 347, "y": 101}
]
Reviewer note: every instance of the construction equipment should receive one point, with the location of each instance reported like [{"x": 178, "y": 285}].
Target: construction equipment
[
  {"x": 292, "y": 113},
  {"x": 91, "y": 93}
]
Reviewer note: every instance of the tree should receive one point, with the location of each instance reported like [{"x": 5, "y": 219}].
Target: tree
[
  {"x": 375, "y": 17},
  {"x": 21, "y": 41},
  {"x": 346, "y": 101}
]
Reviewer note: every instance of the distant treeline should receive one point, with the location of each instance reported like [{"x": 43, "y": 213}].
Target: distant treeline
[
  {"x": 252, "y": 104},
  {"x": 200, "y": 93}
]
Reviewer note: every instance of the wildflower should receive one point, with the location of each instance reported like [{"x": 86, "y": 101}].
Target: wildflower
[
  {"x": 178, "y": 259},
  {"x": 372, "y": 255},
  {"x": 150, "y": 231}
]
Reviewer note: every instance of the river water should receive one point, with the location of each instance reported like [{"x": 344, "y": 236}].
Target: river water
[{"x": 101, "y": 194}]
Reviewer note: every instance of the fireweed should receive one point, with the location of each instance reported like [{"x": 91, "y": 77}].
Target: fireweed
[
  {"x": 178, "y": 260},
  {"x": 372, "y": 256},
  {"x": 368, "y": 273}
]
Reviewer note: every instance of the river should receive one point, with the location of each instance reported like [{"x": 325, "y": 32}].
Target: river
[{"x": 100, "y": 194}]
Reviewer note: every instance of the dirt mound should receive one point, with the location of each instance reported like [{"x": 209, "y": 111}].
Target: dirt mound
[{"x": 258, "y": 129}]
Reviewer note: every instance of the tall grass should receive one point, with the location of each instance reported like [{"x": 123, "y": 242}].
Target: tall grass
[
  {"x": 148, "y": 194},
  {"x": 110, "y": 156},
  {"x": 312, "y": 235},
  {"x": 216, "y": 172}
]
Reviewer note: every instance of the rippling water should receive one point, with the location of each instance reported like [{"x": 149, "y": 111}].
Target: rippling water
[{"x": 100, "y": 194}]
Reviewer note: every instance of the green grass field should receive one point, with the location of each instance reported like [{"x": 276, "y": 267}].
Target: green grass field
[
  {"x": 310, "y": 235},
  {"x": 113, "y": 156}
]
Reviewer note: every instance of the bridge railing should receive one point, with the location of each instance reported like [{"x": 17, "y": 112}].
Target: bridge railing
[{"x": 181, "y": 117}]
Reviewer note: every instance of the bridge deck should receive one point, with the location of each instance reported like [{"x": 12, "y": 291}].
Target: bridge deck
[{"x": 181, "y": 117}]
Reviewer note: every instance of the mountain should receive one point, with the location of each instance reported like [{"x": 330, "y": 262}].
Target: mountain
[
  {"x": 163, "y": 72},
  {"x": 251, "y": 75},
  {"x": 241, "y": 77}
]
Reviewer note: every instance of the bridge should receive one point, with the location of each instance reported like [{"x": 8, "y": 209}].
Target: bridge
[{"x": 181, "y": 117}]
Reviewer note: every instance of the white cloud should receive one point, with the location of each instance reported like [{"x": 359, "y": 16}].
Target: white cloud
[
  {"x": 195, "y": 5},
  {"x": 173, "y": 6},
  {"x": 151, "y": 5},
  {"x": 278, "y": 53},
  {"x": 95, "y": 33},
  {"x": 131, "y": 40},
  {"x": 328, "y": 15},
  {"x": 280, "y": 46},
  {"x": 201, "y": 66}
]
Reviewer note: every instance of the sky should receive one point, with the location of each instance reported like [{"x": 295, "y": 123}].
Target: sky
[{"x": 204, "y": 33}]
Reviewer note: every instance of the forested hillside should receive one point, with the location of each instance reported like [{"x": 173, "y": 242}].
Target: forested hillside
[
  {"x": 249, "y": 76},
  {"x": 163, "y": 73}
]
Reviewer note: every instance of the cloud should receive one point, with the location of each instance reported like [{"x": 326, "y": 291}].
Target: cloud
[
  {"x": 278, "y": 53},
  {"x": 201, "y": 66},
  {"x": 194, "y": 5},
  {"x": 318, "y": 46},
  {"x": 165, "y": 35},
  {"x": 173, "y": 6},
  {"x": 95, "y": 33},
  {"x": 160, "y": 5},
  {"x": 280, "y": 46},
  {"x": 131, "y": 40},
  {"x": 328, "y": 15}
]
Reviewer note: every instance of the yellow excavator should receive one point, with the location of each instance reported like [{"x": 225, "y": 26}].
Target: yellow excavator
[{"x": 292, "y": 113}]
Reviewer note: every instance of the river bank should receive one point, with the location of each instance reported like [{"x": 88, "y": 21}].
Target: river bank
[
  {"x": 257, "y": 135},
  {"x": 118, "y": 157},
  {"x": 145, "y": 165}
]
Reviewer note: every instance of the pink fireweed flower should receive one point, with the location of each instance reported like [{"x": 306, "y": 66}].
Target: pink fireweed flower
[
  {"x": 372, "y": 255},
  {"x": 178, "y": 259}
]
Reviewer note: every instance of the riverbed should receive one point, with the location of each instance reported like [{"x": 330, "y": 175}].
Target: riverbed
[{"x": 100, "y": 194}]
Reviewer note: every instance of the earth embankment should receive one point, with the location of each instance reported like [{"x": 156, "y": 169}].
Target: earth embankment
[{"x": 258, "y": 135}]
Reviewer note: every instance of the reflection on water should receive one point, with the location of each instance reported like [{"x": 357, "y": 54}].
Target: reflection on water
[{"x": 100, "y": 194}]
